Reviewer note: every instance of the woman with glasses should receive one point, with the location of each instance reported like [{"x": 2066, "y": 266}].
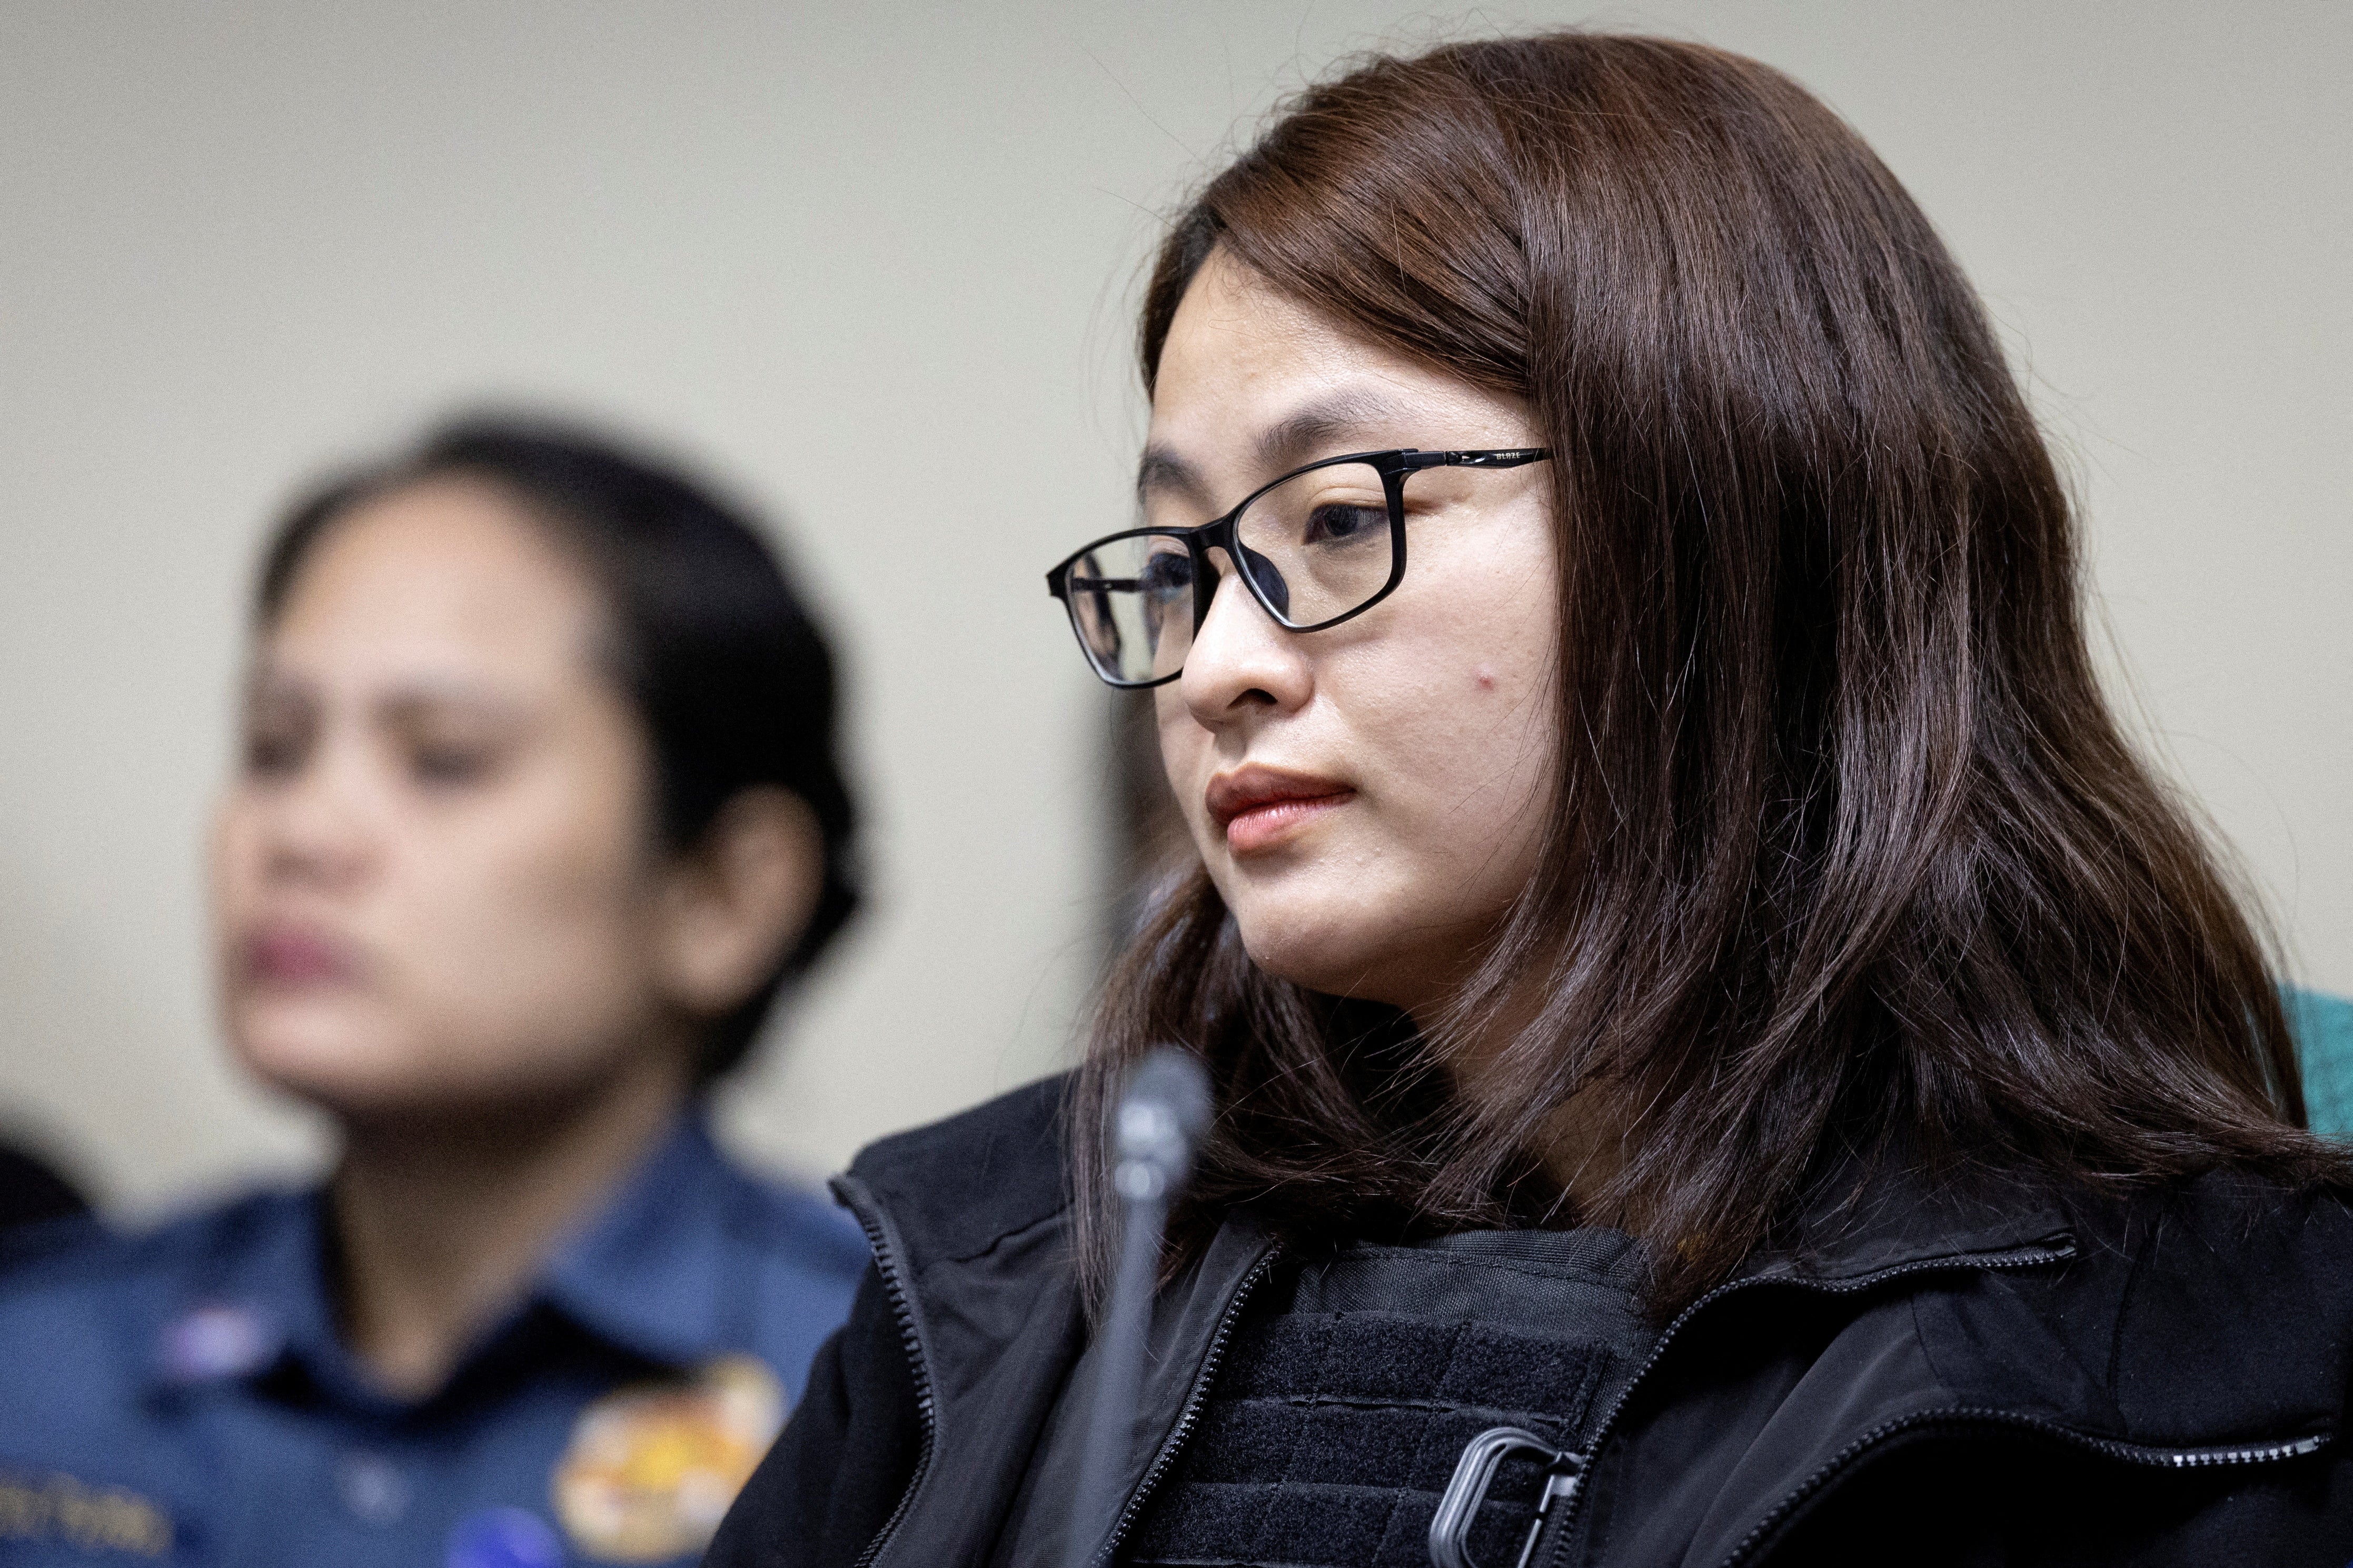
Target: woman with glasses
[{"x": 1720, "y": 1053}]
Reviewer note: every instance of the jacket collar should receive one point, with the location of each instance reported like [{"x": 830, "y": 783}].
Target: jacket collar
[
  {"x": 2212, "y": 1316},
  {"x": 2199, "y": 1325},
  {"x": 1013, "y": 1174},
  {"x": 1873, "y": 1224},
  {"x": 2081, "y": 1304}
]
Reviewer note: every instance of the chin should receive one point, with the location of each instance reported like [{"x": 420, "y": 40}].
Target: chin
[
  {"x": 1336, "y": 957},
  {"x": 322, "y": 1055}
]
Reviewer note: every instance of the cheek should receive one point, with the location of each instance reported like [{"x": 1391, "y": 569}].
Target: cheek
[
  {"x": 232, "y": 850},
  {"x": 533, "y": 936},
  {"x": 509, "y": 937},
  {"x": 1187, "y": 758},
  {"x": 1460, "y": 720},
  {"x": 1494, "y": 692}
]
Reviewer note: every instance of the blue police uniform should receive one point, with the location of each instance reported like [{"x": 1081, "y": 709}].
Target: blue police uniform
[{"x": 182, "y": 1397}]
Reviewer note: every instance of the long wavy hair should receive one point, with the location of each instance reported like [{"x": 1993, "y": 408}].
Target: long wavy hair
[{"x": 1849, "y": 860}]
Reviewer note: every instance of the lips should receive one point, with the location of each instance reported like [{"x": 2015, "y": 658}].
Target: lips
[
  {"x": 299, "y": 956},
  {"x": 1261, "y": 807}
]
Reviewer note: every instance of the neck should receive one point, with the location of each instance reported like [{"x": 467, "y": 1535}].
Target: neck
[
  {"x": 444, "y": 1221},
  {"x": 1580, "y": 1142},
  {"x": 1582, "y": 1148}
]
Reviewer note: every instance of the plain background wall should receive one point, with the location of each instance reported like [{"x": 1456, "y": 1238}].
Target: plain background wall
[{"x": 874, "y": 264}]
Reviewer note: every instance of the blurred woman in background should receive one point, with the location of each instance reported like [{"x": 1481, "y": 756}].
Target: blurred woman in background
[
  {"x": 538, "y": 812},
  {"x": 1722, "y": 1054}
]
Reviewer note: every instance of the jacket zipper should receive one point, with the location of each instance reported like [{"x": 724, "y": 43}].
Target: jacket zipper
[
  {"x": 2129, "y": 1453},
  {"x": 886, "y": 1266},
  {"x": 1194, "y": 1398},
  {"x": 2019, "y": 1259}
]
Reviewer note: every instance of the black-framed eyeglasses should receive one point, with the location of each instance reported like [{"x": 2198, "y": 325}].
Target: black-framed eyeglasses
[{"x": 1315, "y": 547}]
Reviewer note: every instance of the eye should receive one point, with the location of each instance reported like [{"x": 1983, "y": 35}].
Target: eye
[
  {"x": 444, "y": 765},
  {"x": 1337, "y": 523},
  {"x": 275, "y": 750},
  {"x": 1166, "y": 573},
  {"x": 277, "y": 737}
]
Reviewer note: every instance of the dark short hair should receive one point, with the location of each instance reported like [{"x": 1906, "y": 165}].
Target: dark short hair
[{"x": 717, "y": 653}]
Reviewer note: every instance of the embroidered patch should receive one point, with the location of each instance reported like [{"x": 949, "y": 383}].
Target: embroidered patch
[
  {"x": 61, "y": 1510},
  {"x": 653, "y": 1467}
]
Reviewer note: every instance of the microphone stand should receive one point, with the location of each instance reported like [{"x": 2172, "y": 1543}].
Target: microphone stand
[{"x": 1161, "y": 1116}]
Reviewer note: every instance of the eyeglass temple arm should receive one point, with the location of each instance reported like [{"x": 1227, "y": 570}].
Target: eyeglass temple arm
[{"x": 1509, "y": 457}]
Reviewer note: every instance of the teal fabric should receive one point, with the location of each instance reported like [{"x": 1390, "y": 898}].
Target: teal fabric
[{"x": 2324, "y": 1043}]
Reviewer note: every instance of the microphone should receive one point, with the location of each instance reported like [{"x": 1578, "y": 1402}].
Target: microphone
[{"x": 1160, "y": 1119}]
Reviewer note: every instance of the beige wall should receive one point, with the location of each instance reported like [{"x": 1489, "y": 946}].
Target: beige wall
[{"x": 872, "y": 264}]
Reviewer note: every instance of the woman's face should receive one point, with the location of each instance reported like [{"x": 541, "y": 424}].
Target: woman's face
[
  {"x": 432, "y": 876},
  {"x": 1370, "y": 798}
]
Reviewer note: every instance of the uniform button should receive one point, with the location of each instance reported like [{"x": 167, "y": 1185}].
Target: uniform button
[
  {"x": 504, "y": 1538},
  {"x": 373, "y": 1489}
]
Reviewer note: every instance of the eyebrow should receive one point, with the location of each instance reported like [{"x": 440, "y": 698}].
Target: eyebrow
[
  {"x": 1281, "y": 445},
  {"x": 402, "y": 701},
  {"x": 408, "y": 703}
]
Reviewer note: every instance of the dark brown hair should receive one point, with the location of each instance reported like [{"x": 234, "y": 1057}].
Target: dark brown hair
[{"x": 1849, "y": 857}]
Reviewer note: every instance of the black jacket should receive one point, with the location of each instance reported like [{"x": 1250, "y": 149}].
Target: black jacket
[{"x": 2051, "y": 1379}]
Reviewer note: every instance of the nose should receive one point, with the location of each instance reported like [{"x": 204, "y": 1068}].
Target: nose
[
  {"x": 1241, "y": 665},
  {"x": 315, "y": 828}
]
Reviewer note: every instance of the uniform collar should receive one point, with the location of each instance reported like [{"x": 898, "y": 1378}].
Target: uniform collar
[
  {"x": 648, "y": 1274},
  {"x": 256, "y": 1294}
]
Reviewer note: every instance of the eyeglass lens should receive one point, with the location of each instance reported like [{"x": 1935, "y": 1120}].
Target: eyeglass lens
[
  {"x": 1132, "y": 602},
  {"x": 1315, "y": 547}
]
